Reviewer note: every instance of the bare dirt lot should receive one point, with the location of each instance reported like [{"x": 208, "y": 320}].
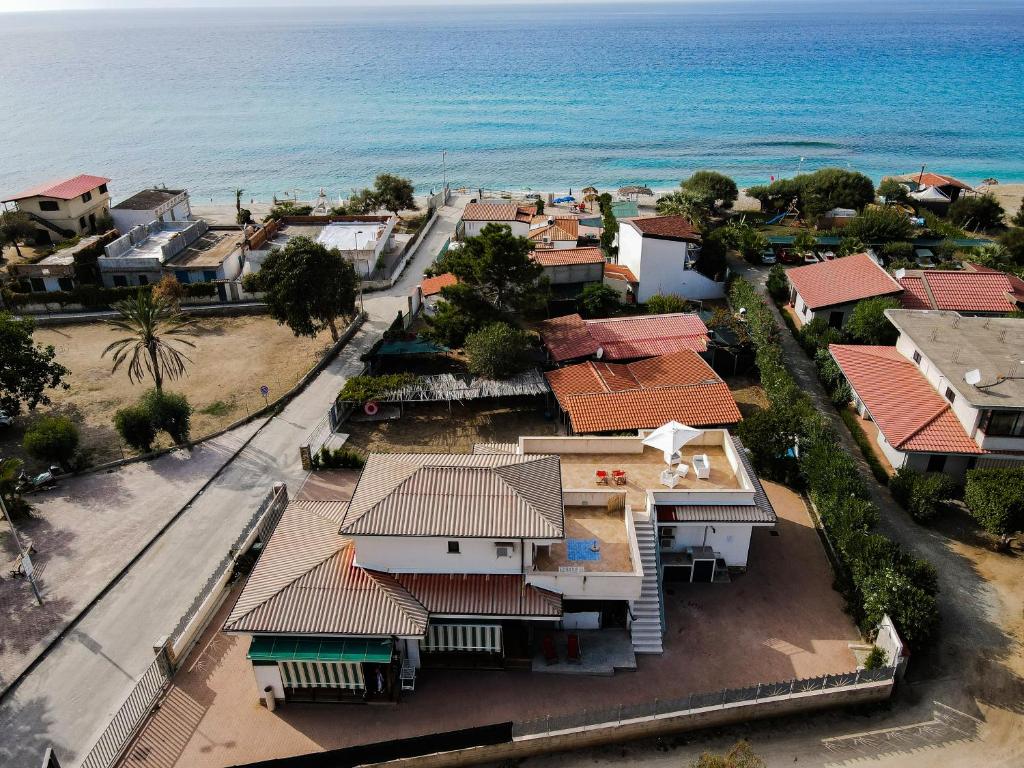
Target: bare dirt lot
[
  {"x": 748, "y": 394},
  {"x": 232, "y": 358}
]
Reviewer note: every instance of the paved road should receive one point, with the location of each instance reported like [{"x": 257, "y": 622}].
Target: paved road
[{"x": 67, "y": 699}]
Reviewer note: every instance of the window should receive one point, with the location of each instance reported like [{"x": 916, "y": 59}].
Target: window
[
  {"x": 49, "y": 205},
  {"x": 835, "y": 319},
  {"x": 504, "y": 548},
  {"x": 87, "y": 197},
  {"x": 66, "y": 283},
  {"x": 181, "y": 276},
  {"x": 209, "y": 275},
  {"x": 917, "y": 357},
  {"x": 120, "y": 281},
  {"x": 82, "y": 223},
  {"x": 936, "y": 462},
  {"x": 38, "y": 286},
  {"x": 1003, "y": 423},
  {"x": 453, "y": 547},
  {"x": 950, "y": 394},
  {"x": 143, "y": 280},
  {"x": 102, "y": 189}
]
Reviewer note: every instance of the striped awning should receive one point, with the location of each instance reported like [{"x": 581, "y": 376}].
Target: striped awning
[
  {"x": 376, "y": 651},
  {"x": 484, "y": 638},
  {"x": 311, "y": 674}
]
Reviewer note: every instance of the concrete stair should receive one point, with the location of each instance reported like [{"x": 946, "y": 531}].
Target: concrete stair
[{"x": 647, "y": 629}]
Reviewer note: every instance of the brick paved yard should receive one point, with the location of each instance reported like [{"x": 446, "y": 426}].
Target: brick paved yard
[{"x": 778, "y": 621}]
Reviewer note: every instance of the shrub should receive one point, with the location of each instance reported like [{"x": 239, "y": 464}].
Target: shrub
[
  {"x": 598, "y": 300},
  {"x": 778, "y": 283},
  {"x": 979, "y": 212},
  {"x": 898, "y": 250},
  {"x": 169, "y": 290},
  {"x": 892, "y": 591},
  {"x": 868, "y": 323},
  {"x": 666, "y": 303},
  {"x": 170, "y": 412},
  {"x": 769, "y": 435},
  {"x": 875, "y": 659},
  {"x": 251, "y": 282},
  {"x": 817, "y": 334},
  {"x": 498, "y": 351},
  {"x": 52, "y": 438},
  {"x": 135, "y": 425},
  {"x": 883, "y": 224},
  {"x": 921, "y": 494},
  {"x": 995, "y": 498},
  {"x": 339, "y": 458},
  {"x": 362, "y": 389}
]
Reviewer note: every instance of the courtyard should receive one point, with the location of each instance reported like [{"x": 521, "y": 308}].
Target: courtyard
[{"x": 780, "y": 620}]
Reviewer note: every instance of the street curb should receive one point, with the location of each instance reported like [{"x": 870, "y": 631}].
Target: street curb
[{"x": 116, "y": 579}]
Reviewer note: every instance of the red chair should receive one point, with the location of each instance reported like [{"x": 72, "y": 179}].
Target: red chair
[
  {"x": 619, "y": 475},
  {"x": 602, "y": 477},
  {"x": 575, "y": 653},
  {"x": 548, "y": 647}
]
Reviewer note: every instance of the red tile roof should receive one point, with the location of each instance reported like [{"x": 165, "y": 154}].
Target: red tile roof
[
  {"x": 620, "y": 272},
  {"x": 64, "y": 189},
  {"x": 606, "y": 397},
  {"x": 911, "y": 415},
  {"x": 623, "y": 338},
  {"x": 841, "y": 281},
  {"x": 479, "y": 595},
  {"x": 666, "y": 228},
  {"x": 433, "y": 285},
  {"x": 558, "y": 257},
  {"x": 497, "y": 212},
  {"x": 959, "y": 291},
  {"x": 563, "y": 230},
  {"x": 929, "y": 179}
]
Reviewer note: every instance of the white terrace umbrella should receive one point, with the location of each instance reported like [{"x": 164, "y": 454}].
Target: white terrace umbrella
[{"x": 670, "y": 437}]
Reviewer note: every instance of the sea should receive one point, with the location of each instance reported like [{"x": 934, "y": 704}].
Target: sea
[{"x": 286, "y": 101}]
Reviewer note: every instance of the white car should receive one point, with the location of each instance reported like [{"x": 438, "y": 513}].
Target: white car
[
  {"x": 768, "y": 256},
  {"x": 5, "y": 420}
]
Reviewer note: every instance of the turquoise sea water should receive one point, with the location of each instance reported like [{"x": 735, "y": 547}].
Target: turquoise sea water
[{"x": 545, "y": 97}]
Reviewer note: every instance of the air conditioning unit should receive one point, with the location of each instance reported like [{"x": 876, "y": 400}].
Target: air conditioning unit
[{"x": 504, "y": 548}]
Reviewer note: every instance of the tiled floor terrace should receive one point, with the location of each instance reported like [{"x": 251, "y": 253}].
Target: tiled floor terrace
[
  {"x": 643, "y": 471},
  {"x": 591, "y": 523}
]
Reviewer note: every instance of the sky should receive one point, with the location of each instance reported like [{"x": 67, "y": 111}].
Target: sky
[{"x": 62, "y": 5}]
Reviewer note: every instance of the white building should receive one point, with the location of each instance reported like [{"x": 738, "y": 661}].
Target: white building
[
  {"x": 156, "y": 204},
  {"x": 660, "y": 252},
  {"x": 476, "y": 216},
  {"x": 361, "y": 239},
  {"x": 831, "y": 289},
  {"x": 948, "y": 397},
  {"x": 477, "y": 560}
]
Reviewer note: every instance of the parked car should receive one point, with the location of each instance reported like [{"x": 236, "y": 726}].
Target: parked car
[
  {"x": 768, "y": 256},
  {"x": 5, "y": 420}
]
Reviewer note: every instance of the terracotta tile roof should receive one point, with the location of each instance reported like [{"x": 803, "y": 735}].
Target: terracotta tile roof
[
  {"x": 841, "y": 281},
  {"x": 560, "y": 257},
  {"x": 305, "y": 582},
  {"x": 623, "y": 338},
  {"x": 563, "y": 230},
  {"x": 666, "y": 228},
  {"x": 958, "y": 291},
  {"x": 620, "y": 272},
  {"x": 929, "y": 179},
  {"x": 433, "y": 285},
  {"x": 479, "y": 595},
  {"x": 64, "y": 189},
  {"x": 497, "y": 212},
  {"x": 606, "y": 397},
  {"x": 486, "y": 495},
  {"x": 908, "y": 411}
]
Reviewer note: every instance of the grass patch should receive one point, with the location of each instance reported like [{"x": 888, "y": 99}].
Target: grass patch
[
  {"x": 217, "y": 408},
  {"x": 863, "y": 442}
]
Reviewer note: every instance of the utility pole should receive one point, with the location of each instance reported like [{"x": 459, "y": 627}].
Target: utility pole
[{"x": 26, "y": 561}]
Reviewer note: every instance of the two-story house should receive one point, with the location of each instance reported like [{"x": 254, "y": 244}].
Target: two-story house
[
  {"x": 476, "y": 216},
  {"x": 62, "y": 209},
  {"x": 660, "y": 252},
  {"x": 475, "y": 560},
  {"x": 949, "y": 396}
]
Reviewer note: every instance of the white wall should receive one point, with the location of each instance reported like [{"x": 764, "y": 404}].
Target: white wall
[
  {"x": 660, "y": 266},
  {"x": 269, "y": 674},
  {"x": 730, "y": 540},
  {"x": 630, "y": 245},
  {"x": 422, "y": 554},
  {"x": 124, "y": 220}
]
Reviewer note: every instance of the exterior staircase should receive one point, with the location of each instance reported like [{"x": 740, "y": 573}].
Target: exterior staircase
[{"x": 648, "y": 615}]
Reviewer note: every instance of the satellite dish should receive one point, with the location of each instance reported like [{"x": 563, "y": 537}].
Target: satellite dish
[
  {"x": 900, "y": 274},
  {"x": 972, "y": 377},
  {"x": 600, "y": 353}
]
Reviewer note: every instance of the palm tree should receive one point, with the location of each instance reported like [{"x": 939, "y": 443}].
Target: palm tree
[
  {"x": 153, "y": 325},
  {"x": 238, "y": 200},
  {"x": 684, "y": 203}
]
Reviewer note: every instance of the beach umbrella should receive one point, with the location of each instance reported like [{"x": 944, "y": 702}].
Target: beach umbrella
[
  {"x": 670, "y": 437},
  {"x": 565, "y": 199}
]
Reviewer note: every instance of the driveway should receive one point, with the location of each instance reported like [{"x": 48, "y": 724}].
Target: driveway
[{"x": 68, "y": 697}]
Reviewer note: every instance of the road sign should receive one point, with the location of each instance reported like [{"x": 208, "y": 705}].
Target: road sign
[{"x": 264, "y": 390}]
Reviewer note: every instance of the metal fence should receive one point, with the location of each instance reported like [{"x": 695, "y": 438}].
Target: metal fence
[
  {"x": 699, "y": 701},
  {"x": 130, "y": 715},
  {"x": 133, "y": 712}
]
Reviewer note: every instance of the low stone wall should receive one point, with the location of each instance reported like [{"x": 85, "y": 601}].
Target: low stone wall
[{"x": 660, "y": 725}]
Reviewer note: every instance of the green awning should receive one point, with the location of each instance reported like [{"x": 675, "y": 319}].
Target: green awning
[{"x": 373, "y": 651}]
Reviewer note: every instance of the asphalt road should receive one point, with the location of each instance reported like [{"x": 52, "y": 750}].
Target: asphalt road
[{"x": 69, "y": 697}]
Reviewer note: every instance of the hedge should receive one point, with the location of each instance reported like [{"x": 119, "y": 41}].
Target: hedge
[
  {"x": 921, "y": 494},
  {"x": 995, "y": 498},
  {"x": 362, "y": 389},
  {"x": 874, "y": 574}
]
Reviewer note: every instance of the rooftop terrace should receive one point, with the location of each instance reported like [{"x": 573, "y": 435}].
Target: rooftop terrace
[{"x": 596, "y": 541}]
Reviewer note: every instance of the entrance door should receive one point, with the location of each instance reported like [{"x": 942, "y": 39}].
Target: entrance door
[
  {"x": 703, "y": 571},
  {"x": 835, "y": 319}
]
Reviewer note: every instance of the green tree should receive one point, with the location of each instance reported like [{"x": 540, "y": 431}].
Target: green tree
[
  {"x": 308, "y": 286},
  {"x": 686, "y": 203},
  {"x": 778, "y": 283},
  {"x": 868, "y": 323},
  {"x": 898, "y": 250},
  {"x": 1018, "y": 217},
  {"x": 498, "y": 351},
  {"x": 748, "y": 240},
  {"x": 461, "y": 311},
  {"x": 1013, "y": 241},
  {"x": 893, "y": 192},
  {"x": 712, "y": 262},
  {"x": 288, "y": 208},
  {"x": 52, "y": 439},
  {"x": 880, "y": 224},
  {"x": 170, "y": 412},
  {"x": 135, "y": 425},
  {"x": 238, "y": 201},
  {"x": 243, "y": 217},
  {"x": 598, "y": 300},
  {"x": 27, "y": 369},
  {"x": 15, "y": 227},
  {"x": 394, "y": 193},
  {"x": 995, "y": 498},
  {"x": 361, "y": 202},
  {"x": 892, "y": 591},
  {"x": 817, "y": 192},
  {"x": 609, "y": 224},
  {"x": 805, "y": 242},
  {"x": 716, "y": 188},
  {"x": 154, "y": 329},
  {"x": 769, "y": 435},
  {"x": 817, "y": 334},
  {"x": 981, "y": 213},
  {"x": 498, "y": 266},
  {"x": 740, "y": 755},
  {"x": 849, "y": 246},
  {"x": 10, "y": 471},
  {"x": 539, "y": 202},
  {"x": 666, "y": 303}
]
